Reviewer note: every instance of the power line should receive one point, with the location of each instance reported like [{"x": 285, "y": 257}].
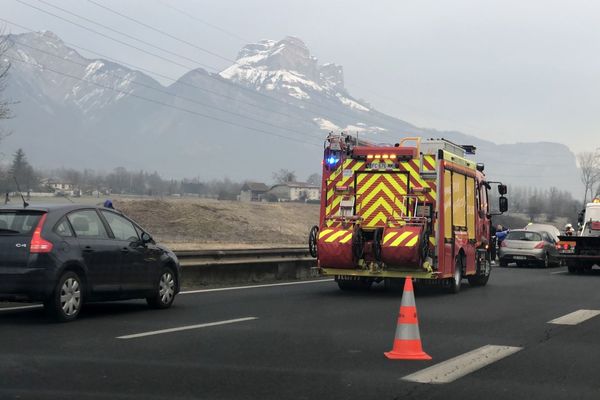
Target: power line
[
  {"x": 227, "y": 32},
  {"x": 215, "y": 69},
  {"x": 159, "y": 31},
  {"x": 164, "y": 104},
  {"x": 169, "y": 93},
  {"x": 183, "y": 82},
  {"x": 112, "y": 30}
]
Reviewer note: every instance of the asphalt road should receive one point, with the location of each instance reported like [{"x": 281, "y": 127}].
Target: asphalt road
[{"x": 312, "y": 341}]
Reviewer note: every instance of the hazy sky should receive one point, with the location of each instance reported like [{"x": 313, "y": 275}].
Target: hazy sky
[{"x": 505, "y": 70}]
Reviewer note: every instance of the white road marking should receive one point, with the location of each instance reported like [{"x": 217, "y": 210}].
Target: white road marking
[
  {"x": 576, "y": 317},
  {"x": 186, "y": 328},
  {"x": 558, "y": 272},
  {"x": 457, "y": 367},
  {"x": 20, "y": 308},
  {"x": 255, "y": 286}
]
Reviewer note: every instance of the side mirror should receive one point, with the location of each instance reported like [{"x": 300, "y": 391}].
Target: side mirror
[
  {"x": 502, "y": 189},
  {"x": 146, "y": 238},
  {"x": 503, "y": 204}
]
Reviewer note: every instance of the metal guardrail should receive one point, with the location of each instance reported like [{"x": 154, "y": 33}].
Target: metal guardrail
[{"x": 199, "y": 258}]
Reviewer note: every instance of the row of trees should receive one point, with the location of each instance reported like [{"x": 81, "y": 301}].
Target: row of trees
[
  {"x": 121, "y": 181},
  {"x": 543, "y": 204}
]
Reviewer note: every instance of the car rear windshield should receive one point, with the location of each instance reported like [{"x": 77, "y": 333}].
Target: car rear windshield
[
  {"x": 18, "y": 222},
  {"x": 524, "y": 235}
]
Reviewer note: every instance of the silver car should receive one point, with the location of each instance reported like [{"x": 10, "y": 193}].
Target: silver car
[{"x": 526, "y": 246}]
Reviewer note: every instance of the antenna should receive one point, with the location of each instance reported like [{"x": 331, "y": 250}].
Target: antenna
[{"x": 25, "y": 204}]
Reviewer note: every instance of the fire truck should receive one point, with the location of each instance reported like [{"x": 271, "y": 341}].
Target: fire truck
[
  {"x": 393, "y": 211},
  {"x": 582, "y": 251}
]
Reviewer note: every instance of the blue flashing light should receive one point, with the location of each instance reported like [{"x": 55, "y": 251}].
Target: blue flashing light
[{"x": 332, "y": 160}]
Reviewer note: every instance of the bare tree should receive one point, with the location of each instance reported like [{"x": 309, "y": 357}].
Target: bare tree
[
  {"x": 589, "y": 165},
  {"x": 284, "y": 176},
  {"x": 4, "y": 68}
]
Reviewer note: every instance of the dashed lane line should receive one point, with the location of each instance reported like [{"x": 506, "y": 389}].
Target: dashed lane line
[
  {"x": 255, "y": 286},
  {"x": 457, "y": 367},
  {"x": 558, "y": 272},
  {"x": 576, "y": 317},
  {"x": 186, "y": 328}
]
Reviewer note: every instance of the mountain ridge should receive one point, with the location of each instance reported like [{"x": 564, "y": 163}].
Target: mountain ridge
[{"x": 112, "y": 109}]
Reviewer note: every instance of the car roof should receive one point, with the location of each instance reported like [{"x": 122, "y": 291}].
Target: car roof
[{"x": 48, "y": 207}]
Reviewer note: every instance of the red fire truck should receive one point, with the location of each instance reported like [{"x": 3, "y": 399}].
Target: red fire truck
[{"x": 388, "y": 212}]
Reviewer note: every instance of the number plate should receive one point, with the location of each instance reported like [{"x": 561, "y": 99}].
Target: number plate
[
  {"x": 380, "y": 166},
  {"x": 520, "y": 257}
]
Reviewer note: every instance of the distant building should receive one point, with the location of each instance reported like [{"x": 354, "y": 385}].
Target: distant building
[
  {"x": 296, "y": 191},
  {"x": 58, "y": 186},
  {"x": 253, "y": 191}
]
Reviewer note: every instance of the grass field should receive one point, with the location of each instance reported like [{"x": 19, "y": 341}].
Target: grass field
[{"x": 194, "y": 223}]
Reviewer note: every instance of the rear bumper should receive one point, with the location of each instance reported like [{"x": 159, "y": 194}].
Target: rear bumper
[
  {"x": 24, "y": 283},
  {"x": 510, "y": 255},
  {"x": 418, "y": 274}
]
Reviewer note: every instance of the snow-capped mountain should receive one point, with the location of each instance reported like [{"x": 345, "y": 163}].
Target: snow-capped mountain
[
  {"x": 286, "y": 68},
  {"x": 270, "y": 109}
]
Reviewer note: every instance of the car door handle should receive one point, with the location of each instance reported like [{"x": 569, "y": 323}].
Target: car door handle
[
  {"x": 88, "y": 249},
  {"x": 124, "y": 250}
]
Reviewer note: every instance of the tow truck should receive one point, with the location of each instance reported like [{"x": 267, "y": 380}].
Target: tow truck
[{"x": 582, "y": 251}]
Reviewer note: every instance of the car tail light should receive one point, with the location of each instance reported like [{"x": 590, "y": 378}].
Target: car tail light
[
  {"x": 540, "y": 245},
  {"x": 38, "y": 243}
]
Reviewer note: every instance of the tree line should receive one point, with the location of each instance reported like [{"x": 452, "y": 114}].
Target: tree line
[{"x": 119, "y": 181}]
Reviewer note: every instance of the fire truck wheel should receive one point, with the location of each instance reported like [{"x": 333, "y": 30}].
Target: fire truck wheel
[
  {"x": 480, "y": 279},
  {"x": 454, "y": 282}
]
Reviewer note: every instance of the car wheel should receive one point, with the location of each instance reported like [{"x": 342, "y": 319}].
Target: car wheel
[
  {"x": 164, "y": 294},
  {"x": 67, "y": 298}
]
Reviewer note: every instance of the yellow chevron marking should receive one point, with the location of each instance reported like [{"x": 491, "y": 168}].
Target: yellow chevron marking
[
  {"x": 431, "y": 160},
  {"x": 347, "y": 238},
  {"x": 412, "y": 242},
  {"x": 334, "y": 236},
  {"x": 324, "y": 232},
  {"x": 415, "y": 174},
  {"x": 389, "y": 236},
  {"x": 432, "y": 240},
  {"x": 379, "y": 217},
  {"x": 379, "y": 202},
  {"x": 400, "y": 238},
  {"x": 365, "y": 186}
]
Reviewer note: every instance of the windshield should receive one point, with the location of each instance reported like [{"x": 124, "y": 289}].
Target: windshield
[
  {"x": 592, "y": 213},
  {"x": 18, "y": 222},
  {"x": 524, "y": 235}
]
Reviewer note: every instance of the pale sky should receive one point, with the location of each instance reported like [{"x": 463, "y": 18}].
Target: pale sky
[{"x": 507, "y": 71}]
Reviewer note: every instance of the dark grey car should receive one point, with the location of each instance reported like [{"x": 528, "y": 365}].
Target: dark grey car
[
  {"x": 66, "y": 255},
  {"x": 526, "y": 246}
]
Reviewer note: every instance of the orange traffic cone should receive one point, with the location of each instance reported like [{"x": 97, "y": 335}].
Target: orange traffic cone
[{"x": 407, "y": 343}]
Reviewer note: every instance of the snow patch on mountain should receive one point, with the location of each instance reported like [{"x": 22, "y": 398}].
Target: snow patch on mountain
[{"x": 287, "y": 69}]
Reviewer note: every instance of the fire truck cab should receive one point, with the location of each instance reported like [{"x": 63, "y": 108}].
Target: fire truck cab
[{"x": 393, "y": 211}]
